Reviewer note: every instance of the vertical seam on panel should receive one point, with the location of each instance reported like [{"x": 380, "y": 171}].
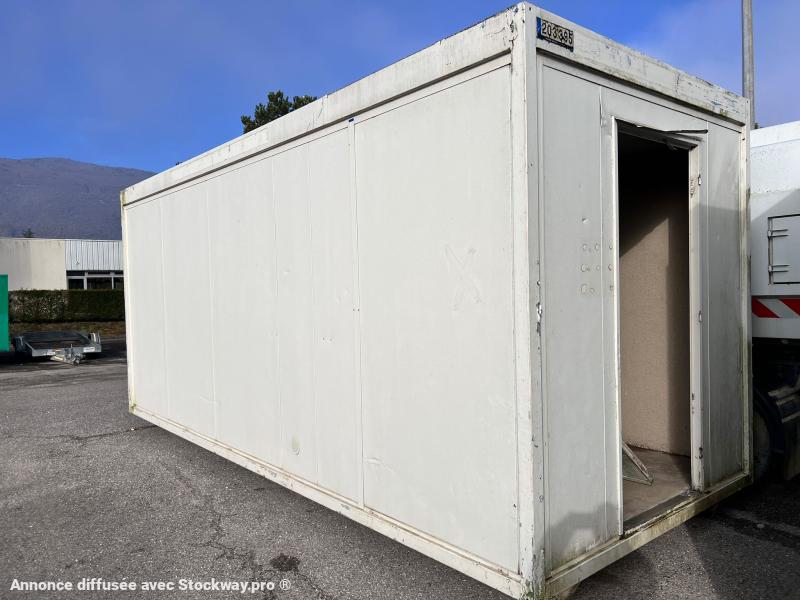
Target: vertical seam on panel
[
  {"x": 357, "y": 310},
  {"x": 744, "y": 297},
  {"x": 542, "y": 323},
  {"x": 533, "y": 85},
  {"x": 512, "y": 89},
  {"x": 164, "y": 308},
  {"x": 603, "y": 328},
  {"x": 519, "y": 204},
  {"x": 311, "y": 316},
  {"x": 278, "y": 390},
  {"x": 128, "y": 303},
  {"x": 706, "y": 403},
  {"x": 211, "y": 319}
]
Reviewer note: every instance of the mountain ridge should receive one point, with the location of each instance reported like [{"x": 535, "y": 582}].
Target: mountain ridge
[{"x": 62, "y": 198}]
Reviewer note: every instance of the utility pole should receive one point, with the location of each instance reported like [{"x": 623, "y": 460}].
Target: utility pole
[{"x": 748, "y": 70}]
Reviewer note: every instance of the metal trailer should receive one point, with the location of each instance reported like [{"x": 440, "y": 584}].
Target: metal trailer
[
  {"x": 468, "y": 279},
  {"x": 61, "y": 346},
  {"x": 775, "y": 281}
]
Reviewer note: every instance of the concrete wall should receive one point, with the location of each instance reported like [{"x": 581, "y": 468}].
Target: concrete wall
[{"x": 33, "y": 264}]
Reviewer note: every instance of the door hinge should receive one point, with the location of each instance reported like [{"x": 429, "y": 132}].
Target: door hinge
[
  {"x": 773, "y": 233},
  {"x": 694, "y": 183},
  {"x": 538, "y": 317},
  {"x": 778, "y": 268}
]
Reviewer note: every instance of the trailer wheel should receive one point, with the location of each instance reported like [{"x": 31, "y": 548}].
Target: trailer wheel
[
  {"x": 768, "y": 439},
  {"x": 762, "y": 446}
]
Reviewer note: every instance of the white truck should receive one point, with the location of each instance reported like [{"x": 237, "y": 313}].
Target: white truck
[{"x": 775, "y": 288}]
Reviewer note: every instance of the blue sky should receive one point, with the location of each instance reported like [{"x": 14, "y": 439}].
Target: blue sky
[{"x": 148, "y": 83}]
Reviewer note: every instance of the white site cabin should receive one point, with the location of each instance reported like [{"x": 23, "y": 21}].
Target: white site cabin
[{"x": 440, "y": 299}]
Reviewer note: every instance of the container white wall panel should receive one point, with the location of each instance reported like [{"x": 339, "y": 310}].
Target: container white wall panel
[
  {"x": 435, "y": 240},
  {"x": 724, "y": 324},
  {"x": 401, "y": 300},
  {"x": 573, "y": 330},
  {"x": 148, "y": 346},
  {"x": 246, "y": 398}
]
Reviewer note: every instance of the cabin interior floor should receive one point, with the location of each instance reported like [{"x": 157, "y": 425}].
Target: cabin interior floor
[{"x": 671, "y": 477}]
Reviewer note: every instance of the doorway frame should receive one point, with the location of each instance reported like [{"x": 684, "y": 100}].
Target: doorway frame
[{"x": 693, "y": 141}]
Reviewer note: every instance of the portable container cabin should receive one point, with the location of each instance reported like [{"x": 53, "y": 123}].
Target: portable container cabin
[{"x": 446, "y": 299}]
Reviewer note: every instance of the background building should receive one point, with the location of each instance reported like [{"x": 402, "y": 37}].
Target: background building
[{"x": 43, "y": 264}]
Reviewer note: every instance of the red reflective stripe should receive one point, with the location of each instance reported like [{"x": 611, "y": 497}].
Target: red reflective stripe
[
  {"x": 793, "y": 303},
  {"x": 761, "y": 311}
]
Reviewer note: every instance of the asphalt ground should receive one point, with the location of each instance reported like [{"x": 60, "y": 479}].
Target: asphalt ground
[{"x": 89, "y": 491}]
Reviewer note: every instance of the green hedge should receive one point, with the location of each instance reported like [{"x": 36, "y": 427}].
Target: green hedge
[{"x": 48, "y": 306}]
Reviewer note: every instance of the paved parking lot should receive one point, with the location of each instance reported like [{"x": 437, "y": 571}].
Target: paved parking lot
[{"x": 87, "y": 490}]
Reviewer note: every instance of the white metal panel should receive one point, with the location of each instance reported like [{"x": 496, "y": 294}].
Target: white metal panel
[
  {"x": 317, "y": 381},
  {"x": 295, "y": 307},
  {"x": 187, "y": 309},
  {"x": 764, "y": 208},
  {"x": 145, "y": 309},
  {"x": 768, "y": 212},
  {"x": 578, "y": 507},
  {"x": 244, "y": 319},
  {"x": 726, "y": 401},
  {"x": 93, "y": 255},
  {"x": 781, "y": 321},
  {"x": 776, "y": 134},
  {"x": 435, "y": 241},
  {"x": 282, "y": 286},
  {"x": 337, "y": 387},
  {"x": 774, "y": 158}
]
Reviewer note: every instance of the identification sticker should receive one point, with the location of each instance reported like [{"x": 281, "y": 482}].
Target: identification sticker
[{"x": 545, "y": 30}]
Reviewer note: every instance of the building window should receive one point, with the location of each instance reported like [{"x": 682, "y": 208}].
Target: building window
[
  {"x": 99, "y": 283},
  {"x": 95, "y": 280}
]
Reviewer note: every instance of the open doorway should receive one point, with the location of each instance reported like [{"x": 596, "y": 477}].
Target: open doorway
[{"x": 654, "y": 309}]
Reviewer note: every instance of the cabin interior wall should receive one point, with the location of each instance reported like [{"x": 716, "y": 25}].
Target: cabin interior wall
[{"x": 654, "y": 294}]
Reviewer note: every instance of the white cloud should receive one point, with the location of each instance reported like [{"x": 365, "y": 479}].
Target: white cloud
[{"x": 704, "y": 39}]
